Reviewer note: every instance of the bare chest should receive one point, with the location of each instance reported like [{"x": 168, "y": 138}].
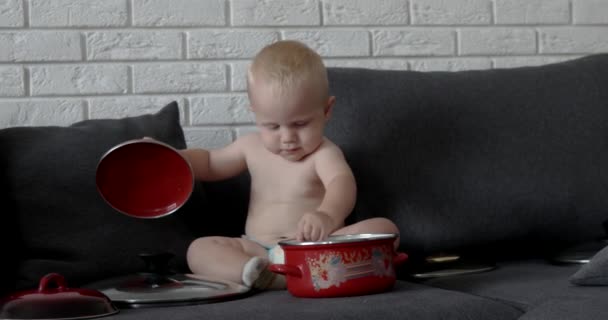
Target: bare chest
[{"x": 278, "y": 180}]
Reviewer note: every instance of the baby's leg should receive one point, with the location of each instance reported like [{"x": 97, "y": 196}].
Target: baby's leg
[
  {"x": 373, "y": 225},
  {"x": 222, "y": 257}
]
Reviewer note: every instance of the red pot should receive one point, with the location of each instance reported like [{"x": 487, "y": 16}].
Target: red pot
[
  {"x": 345, "y": 265},
  {"x": 144, "y": 178}
]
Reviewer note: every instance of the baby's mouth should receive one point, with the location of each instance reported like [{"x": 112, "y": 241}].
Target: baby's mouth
[{"x": 290, "y": 150}]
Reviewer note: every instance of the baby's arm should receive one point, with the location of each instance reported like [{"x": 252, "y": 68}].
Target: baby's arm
[
  {"x": 338, "y": 201},
  {"x": 218, "y": 164},
  {"x": 340, "y": 185}
]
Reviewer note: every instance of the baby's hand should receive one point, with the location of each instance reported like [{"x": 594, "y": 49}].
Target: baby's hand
[{"x": 314, "y": 226}]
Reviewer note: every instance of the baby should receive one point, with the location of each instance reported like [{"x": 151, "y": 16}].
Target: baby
[{"x": 301, "y": 186}]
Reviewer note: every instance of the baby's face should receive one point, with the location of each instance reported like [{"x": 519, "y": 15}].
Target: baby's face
[{"x": 291, "y": 125}]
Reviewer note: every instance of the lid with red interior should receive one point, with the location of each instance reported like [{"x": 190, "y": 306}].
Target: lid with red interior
[{"x": 144, "y": 178}]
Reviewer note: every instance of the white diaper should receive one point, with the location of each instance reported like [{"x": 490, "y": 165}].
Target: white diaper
[{"x": 275, "y": 253}]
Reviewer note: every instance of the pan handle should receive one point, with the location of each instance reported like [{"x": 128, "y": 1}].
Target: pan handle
[
  {"x": 286, "y": 270},
  {"x": 399, "y": 258}
]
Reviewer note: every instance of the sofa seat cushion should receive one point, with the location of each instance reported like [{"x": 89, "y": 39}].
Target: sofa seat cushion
[
  {"x": 406, "y": 301},
  {"x": 586, "y": 308},
  {"x": 525, "y": 284},
  {"x": 481, "y": 157},
  {"x": 54, "y": 220}
]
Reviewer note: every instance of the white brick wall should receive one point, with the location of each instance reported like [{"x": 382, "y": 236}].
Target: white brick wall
[{"x": 63, "y": 61}]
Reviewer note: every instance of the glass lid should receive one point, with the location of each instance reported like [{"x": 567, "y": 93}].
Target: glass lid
[
  {"x": 140, "y": 290},
  {"x": 158, "y": 285}
]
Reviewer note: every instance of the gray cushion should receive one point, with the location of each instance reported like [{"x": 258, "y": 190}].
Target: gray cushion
[
  {"x": 490, "y": 160},
  {"x": 54, "y": 220},
  {"x": 594, "y": 273},
  {"x": 525, "y": 284},
  {"x": 406, "y": 301},
  {"x": 584, "y": 308}
]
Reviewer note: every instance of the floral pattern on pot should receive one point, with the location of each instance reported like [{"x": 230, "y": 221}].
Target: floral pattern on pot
[{"x": 333, "y": 268}]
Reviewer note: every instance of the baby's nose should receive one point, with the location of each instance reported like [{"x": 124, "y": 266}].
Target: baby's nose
[{"x": 287, "y": 135}]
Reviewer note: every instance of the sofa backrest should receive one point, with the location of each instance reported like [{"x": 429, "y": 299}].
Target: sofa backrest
[{"x": 513, "y": 159}]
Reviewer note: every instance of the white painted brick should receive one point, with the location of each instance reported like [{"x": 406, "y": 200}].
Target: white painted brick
[
  {"x": 78, "y": 79},
  {"x": 179, "y": 13},
  {"x": 379, "y": 64},
  {"x": 44, "y": 39},
  {"x": 222, "y": 44},
  {"x": 410, "y": 42},
  {"x": 11, "y": 13},
  {"x": 75, "y": 13},
  {"x": 238, "y": 75},
  {"x": 179, "y": 77},
  {"x": 574, "y": 40},
  {"x": 134, "y": 45},
  {"x": 130, "y": 106},
  {"x": 275, "y": 13},
  {"x": 11, "y": 81},
  {"x": 207, "y": 138},
  {"x": 20, "y": 46},
  {"x": 532, "y": 11},
  {"x": 334, "y": 43},
  {"x": 455, "y": 64},
  {"x": 51, "y": 112},
  {"x": 516, "y": 62},
  {"x": 220, "y": 109},
  {"x": 468, "y": 12},
  {"x": 590, "y": 11},
  {"x": 499, "y": 41},
  {"x": 365, "y": 12}
]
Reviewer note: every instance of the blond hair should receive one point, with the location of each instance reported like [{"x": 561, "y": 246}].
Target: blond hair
[{"x": 288, "y": 64}]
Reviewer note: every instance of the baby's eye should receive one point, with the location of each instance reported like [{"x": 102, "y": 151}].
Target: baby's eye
[
  {"x": 300, "y": 123},
  {"x": 272, "y": 126}
]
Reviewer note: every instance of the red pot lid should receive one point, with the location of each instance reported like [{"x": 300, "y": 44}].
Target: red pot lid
[
  {"x": 144, "y": 178},
  {"x": 54, "y": 300}
]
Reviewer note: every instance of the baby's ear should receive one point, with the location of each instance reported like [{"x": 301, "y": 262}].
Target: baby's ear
[{"x": 329, "y": 106}]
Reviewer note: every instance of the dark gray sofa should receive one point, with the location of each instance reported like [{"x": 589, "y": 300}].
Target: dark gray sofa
[{"x": 505, "y": 168}]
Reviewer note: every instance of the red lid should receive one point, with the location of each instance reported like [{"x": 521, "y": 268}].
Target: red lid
[
  {"x": 54, "y": 300},
  {"x": 144, "y": 178}
]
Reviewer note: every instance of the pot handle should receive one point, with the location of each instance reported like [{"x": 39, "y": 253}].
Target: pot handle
[
  {"x": 286, "y": 270},
  {"x": 399, "y": 258},
  {"x": 46, "y": 281}
]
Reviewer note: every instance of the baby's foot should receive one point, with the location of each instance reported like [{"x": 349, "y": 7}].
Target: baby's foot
[
  {"x": 256, "y": 275},
  {"x": 276, "y": 255}
]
